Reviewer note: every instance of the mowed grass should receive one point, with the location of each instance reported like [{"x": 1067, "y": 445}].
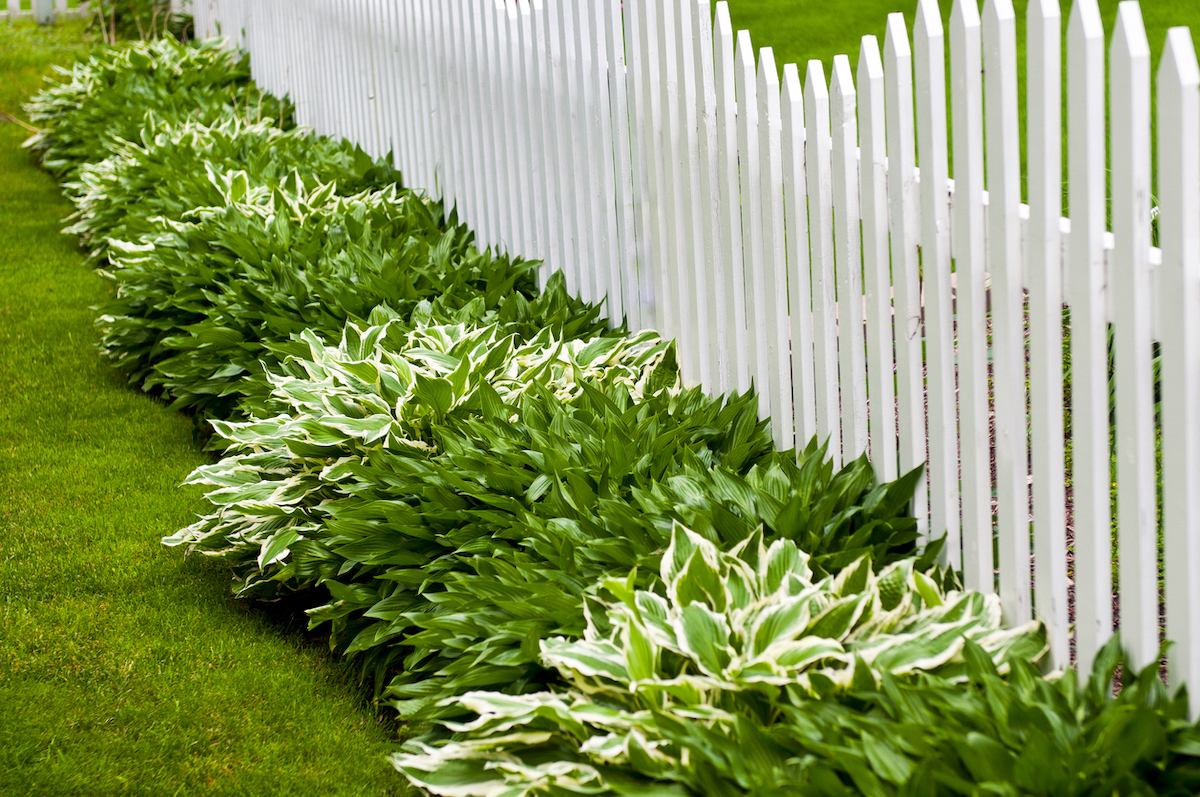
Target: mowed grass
[
  {"x": 799, "y": 30},
  {"x": 125, "y": 670}
]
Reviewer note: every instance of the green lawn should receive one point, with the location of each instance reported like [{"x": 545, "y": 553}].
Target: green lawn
[
  {"x": 123, "y": 669},
  {"x": 799, "y": 30}
]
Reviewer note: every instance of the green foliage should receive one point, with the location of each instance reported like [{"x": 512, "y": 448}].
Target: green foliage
[
  {"x": 138, "y": 19},
  {"x": 625, "y": 730},
  {"x": 457, "y": 492},
  {"x": 199, "y": 302},
  {"x": 168, "y": 170},
  {"x": 99, "y": 103}
]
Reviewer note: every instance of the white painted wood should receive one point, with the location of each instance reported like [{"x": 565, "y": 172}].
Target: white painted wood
[
  {"x": 588, "y": 168},
  {"x": 680, "y": 238},
  {"x": 520, "y": 116},
  {"x": 777, "y": 380},
  {"x": 852, "y": 364},
  {"x": 1129, "y": 79},
  {"x": 638, "y": 284},
  {"x": 448, "y": 114},
  {"x": 750, "y": 173},
  {"x": 534, "y": 138},
  {"x": 1179, "y": 307},
  {"x": 456, "y": 44},
  {"x": 606, "y": 161},
  {"x": 645, "y": 216},
  {"x": 579, "y": 173},
  {"x": 549, "y": 72},
  {"x": 966, "y": 70},
  {"x": 877, "y": 282},
  {"x": 693, "y": 266},
  {"x": 710, "y": 200},
  {"x": 502, "y": 129},
  {"x": 905, "y": 231},
  {"x": 1044, "y": 263},
  {"x": 656, "y": 173},
  {"x": 929, "y": 59},
  {"x": 1008, "y": 307},
  {"x": 795, "y": 192},
  {"x": 627, "y": 302},
  {"x": 1089, "y": 336},
  {"x": 819, "y": 167},
  {"x": 737, "y": 366}
]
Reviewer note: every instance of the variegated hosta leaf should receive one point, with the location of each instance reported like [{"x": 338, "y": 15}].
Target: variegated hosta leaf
[
  {"x": 382, "y": 387},
  {"x": 754, "y": 616}
]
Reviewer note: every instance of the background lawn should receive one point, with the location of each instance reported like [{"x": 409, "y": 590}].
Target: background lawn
[
  {"x": 123, "y": 669},
  {"x": 802, "y": 29}
]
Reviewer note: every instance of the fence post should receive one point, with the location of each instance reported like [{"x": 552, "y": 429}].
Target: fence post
[{"x": 43, "y": 11}]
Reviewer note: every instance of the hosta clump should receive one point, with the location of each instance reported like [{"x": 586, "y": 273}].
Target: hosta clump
[
  {"x": 525, "y": 482},
  {"x": 167, "y": 171},
  {"x": 204, "y": 301},
  {"x": 1023, "y": 734},
  {"x": 725, "y": 647},
  {"x": 102, "y": 101},
  {"x": 363, "y": 484}
]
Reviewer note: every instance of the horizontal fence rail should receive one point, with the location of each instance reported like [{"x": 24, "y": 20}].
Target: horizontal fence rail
[{"x": 781, "y": 231}]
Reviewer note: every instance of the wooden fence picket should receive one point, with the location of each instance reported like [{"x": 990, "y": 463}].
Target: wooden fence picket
[
  {"x": 715, "y": 326},
  {"x": 966, "y": 67},
  {"x": 847, "y": 250},
  {"x": 750, "y": 174},
  {"x": 800, "y": 317},
  {"x": 1179, "y": 306},
  {"x": 1086, "y": 284},
  {"x": 732, "y": 250},
  {"x": 877, "y": 282},
  {"x": 929, "y": 60},
  {"x": 775, "y": 351},
  {"x": 1130, "y": 303},
  {"x": 905, "y": 231},
  {"x": 1008, "y": 306},
  {"x": 1044, "y": 280},
  {"x": 819, "y": 167}
]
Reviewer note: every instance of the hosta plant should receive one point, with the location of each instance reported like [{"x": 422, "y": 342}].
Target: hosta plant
[
  {"x": 168, "y": 171},
  {"x": 96, "y": 105},
  {"x": 203, "y": 302},
  {"x": 524, "y": 474}
]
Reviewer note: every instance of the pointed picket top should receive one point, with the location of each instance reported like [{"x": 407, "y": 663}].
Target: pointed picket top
[
  {"x": 1085, "y": 23},
  {"x": 768, "y": 74},
  {"x": 1129, "y": 35},
  {"x": 1040, "y": 12},
  {"x": 928, "y": 22},
  {"x": 1178, "y": 65},
  {"x": 964, "y": 14},
  {"x": 895, "y": 42},
  {"x": 722, "y": 21},
  {"x": 870, "y": 62},
  {"x": 841, "y": 81},
  {"x": 792, "y": 93},
  {"x": 814, "y": 80},
  {"x": 744, "y": 60}
]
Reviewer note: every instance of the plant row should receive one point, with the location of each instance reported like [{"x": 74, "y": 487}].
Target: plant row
[{"x": 568, "y": 571}]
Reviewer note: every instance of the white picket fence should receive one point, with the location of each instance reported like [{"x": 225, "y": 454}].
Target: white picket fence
[
  {"x": 781, "y": 231},
  {"x": 14, "y": 9}
]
